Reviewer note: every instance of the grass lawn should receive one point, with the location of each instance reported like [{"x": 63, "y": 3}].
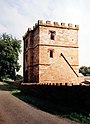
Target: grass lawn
[{"x": 48, "y": 106}]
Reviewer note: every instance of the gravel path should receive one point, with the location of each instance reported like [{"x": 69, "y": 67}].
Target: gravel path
[{"x": 15, "y": 111}]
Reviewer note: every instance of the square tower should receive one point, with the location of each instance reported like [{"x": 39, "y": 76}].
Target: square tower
[{"x": 51, "y": 53}]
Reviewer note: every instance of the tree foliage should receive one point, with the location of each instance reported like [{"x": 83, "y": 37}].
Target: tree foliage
[
  {"x": 85, "y": 70},
  {"x": 9, "y": 54}
]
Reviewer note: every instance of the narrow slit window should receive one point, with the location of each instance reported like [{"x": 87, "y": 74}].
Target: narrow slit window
[{"x": 51, "y": 53}]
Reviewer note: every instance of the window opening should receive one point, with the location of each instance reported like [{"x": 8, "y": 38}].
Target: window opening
[
  {"x": 51, "y": 53},
  {"x": 52, "y": 35}
]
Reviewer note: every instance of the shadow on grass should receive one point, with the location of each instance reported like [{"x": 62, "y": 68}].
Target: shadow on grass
[
  {"x": 49, "y": 105},
  {"x": 42, "y": 104},
  {"x": 53, "y": 108}
]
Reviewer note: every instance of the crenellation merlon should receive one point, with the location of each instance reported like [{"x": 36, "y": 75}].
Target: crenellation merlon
[
  {"x": 77, "y": 27},
  {"x": 29, "y": 30},
  {"x": 63, "y": 24},
  {"x": 40, "y": 22},
  {"x": 70, "y": 26},
  {"x": 56, "y": 24},
  {"x": 48, "y": 23},
  {"x": 35, "y": 26}
]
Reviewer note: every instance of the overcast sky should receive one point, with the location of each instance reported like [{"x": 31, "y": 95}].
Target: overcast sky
[{"x": 17, "y": 15}]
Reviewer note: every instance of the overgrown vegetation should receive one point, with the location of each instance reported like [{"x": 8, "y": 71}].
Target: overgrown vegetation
[{"x": 48, "y": 106}]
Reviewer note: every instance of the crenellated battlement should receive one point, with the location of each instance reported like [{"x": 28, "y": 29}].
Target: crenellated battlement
[
  {"x": 54, "y": 24},
  {"x": 57, "y": 25}
]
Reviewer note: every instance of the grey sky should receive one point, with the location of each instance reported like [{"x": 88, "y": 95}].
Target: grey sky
[{"x": 17, "y": 15}]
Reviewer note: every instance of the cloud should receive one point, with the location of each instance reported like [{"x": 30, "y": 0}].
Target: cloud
[{"x": 17, "y": 16}]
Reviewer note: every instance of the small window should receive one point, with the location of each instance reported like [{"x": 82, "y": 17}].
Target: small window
[
  {"x": 52, "y": 35},
  {"x": 51, "y": 53}
]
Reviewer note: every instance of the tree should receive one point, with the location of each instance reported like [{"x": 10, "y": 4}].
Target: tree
[{"x": 9, "y": 54}]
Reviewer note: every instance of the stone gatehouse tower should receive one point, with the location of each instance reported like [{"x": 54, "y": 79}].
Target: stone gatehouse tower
[{"x": 51, "y": 53}]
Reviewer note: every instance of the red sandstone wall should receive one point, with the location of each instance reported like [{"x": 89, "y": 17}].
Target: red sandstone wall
[
  {"x": 56, "y": 69},
  {"x": 39, "y": 64}
]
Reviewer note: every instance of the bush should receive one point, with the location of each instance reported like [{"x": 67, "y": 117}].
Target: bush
[{"x": 18, "y": 79}]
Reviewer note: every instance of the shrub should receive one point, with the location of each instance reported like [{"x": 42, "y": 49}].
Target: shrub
[{"x": 18, "y": 78}]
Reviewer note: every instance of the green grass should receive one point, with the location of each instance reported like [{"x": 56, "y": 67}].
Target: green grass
[
  {"x": 11, "y": 88},
  {"x": 85, "y": 119},
  {"x": 49, "y": 106}
]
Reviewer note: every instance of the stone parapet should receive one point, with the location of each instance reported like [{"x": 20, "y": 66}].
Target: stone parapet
[{"x": 54, "y": 24}]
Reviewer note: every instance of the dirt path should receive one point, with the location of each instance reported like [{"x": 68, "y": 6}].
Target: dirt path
[{"x": 15, "y": 111}]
